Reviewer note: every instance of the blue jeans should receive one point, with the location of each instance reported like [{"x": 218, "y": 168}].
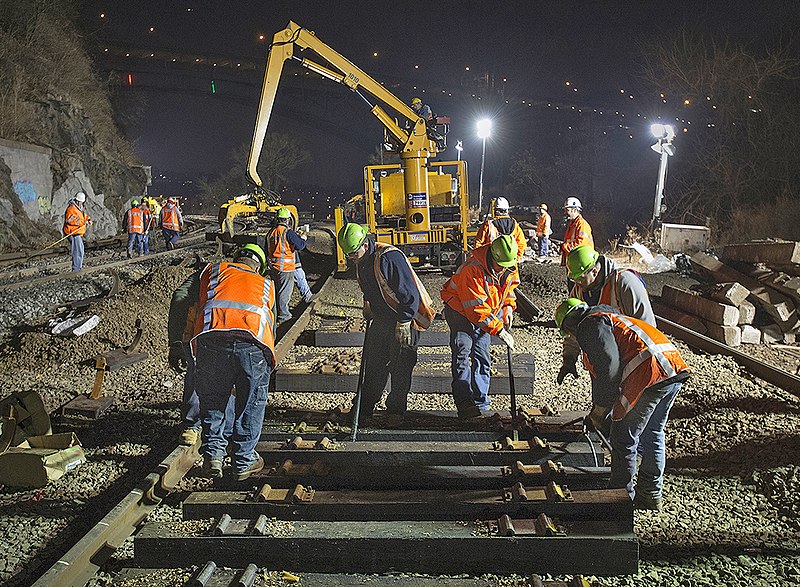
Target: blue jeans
[
  {"x": 76, "y": 243},
  {"x": 642, "y": 431},
  {"x": 224, "y": 363},
  {"x": 471, "y": 362},
  {"x": 170, "y": 236},
  {"x": 284, "y": 281},
  {"x": 135, "y": 240},
  {"x": 544, "y": 246},
  {"x": 302, "y": 283},
  {"x": 146, "y": 243},
  {"x": 190, "y": 406}
]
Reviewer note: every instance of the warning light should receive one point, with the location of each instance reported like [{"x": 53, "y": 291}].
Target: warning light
[
  {"x": 213, "y": 87},
  {"x": 130, "y": 79}
]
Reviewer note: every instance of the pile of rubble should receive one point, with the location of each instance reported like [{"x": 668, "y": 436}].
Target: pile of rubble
[{"x": 750, "y": 295}]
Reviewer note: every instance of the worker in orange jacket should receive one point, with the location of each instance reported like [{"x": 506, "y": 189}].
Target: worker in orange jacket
[
  {"x": 499, "y": 224},
  {"x": 578, "y": 230},
  {"x": 134, "y": 226},
  {"x": 75, "y": 222},
  {"x": 636, "y": 374},
  {"x": 282, "y": 242},
  {"x": 233, "y": 346},
  {"x": 543, "y": 230},
  {"x": 171, "y": 221},
  {"x": 479, "y": 302}
]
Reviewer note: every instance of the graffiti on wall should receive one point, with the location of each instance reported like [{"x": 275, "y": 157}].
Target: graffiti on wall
[{"x": 25, "y": 191}]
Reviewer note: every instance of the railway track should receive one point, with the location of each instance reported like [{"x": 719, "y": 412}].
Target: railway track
[{"x": 437, "y": 496}]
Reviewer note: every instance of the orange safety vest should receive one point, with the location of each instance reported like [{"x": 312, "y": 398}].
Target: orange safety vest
[
  {"x": 170, "y": 218},
  {"x": 543, "y": 226},
  {"x": 648, "y": 358},
  {"x": 75, "y": 220},
  {"x": 424, "y": 312},
  {"x": 479, "y": 295},
  {"x": 281, "y": 253},
  {"x": 235, "y": 298},
  {"x": 488, "y": 232},
  {"x": 578, "y": 233},
  {"x": 135, "y": 220}
]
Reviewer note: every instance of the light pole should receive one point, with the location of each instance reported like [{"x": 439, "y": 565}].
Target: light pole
[
  {"x": 484, "y": 130},
  {"x": 664, "y": 133},
  {"x": 459, "y": 148}
]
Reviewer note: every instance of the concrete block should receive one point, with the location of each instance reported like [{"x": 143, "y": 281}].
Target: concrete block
[
  {"x": 689, "y": 321},
  {"x": 747, "y": 313},
  {"x": 750, "y": 334},
  {"x": 709, "y": 310},
  {"x": 733, "y": 293},
  {"x": 729, "y": 335}
]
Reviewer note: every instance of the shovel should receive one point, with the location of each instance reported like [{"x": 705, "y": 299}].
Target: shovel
[
  {"x": 357, "y": 407},
  {"x": 513, "y": 388}
]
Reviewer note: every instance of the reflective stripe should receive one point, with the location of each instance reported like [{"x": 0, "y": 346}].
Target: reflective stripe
[
  {"x": 486, "y": 321},
  {"x": 653, "y": 350},
  {"x": 263, "y": 311},
  {"x": 424, "y": 312},
  {"x": 475, "y": 302},
  {"x": 213, "y": 281}
]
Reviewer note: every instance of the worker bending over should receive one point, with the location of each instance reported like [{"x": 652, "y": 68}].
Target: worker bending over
[
  {"x": 578, "y": 230},
  {"x": 597, "y": 280},
  {"x": 399, "y": 307},
  {"x": 636, "y": 374},
  {"x": 75, "y": 222},
  {"x": 282, "y": 243},
  {"x": 233, "y": 346},
  {"x": 500, "y": 223},
  {"x": 479, "y": 302},
  {"x": 543, "y": 230},
  {"x": 171, "y": 221}
]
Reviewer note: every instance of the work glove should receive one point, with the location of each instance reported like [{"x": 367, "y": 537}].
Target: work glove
[
  {"x": 177, "y": 358},
  {"x": 402, "y": 333},
  {"x": 366, "y": 311},
  {"x": 595, "y": 418},
  {"x": 569, "y": 367},
  {"x": 506, "y": 337},
  {"x": 508, "y": 320}
]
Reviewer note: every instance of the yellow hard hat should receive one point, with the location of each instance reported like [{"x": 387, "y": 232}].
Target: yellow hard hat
[
  {"x": 415, "y": 101},
  {"x": 543, "y": 206}
]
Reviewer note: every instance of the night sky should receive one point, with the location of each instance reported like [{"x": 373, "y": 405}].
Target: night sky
[{"x": 529, "y": 51}]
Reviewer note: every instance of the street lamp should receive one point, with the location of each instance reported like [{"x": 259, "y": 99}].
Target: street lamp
[
  {"x": 664, "y": 133},
  {"x": 459, "y": 148},
  {"x": 484, "y": 130}
]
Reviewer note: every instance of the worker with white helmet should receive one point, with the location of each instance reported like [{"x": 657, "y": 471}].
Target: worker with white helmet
[
  {"x": 171, "y": 223},
  {"x": 499, "y": 224},
  {"x": 75, "y": 221},
  {"x": 543, "y": 230},
  {"x": 578, "y": 230}
]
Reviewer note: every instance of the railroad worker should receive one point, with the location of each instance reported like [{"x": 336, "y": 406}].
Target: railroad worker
[
  {"x": 397, "y": 303},
  {"x": 420, "y": 109},
  {"x": 479, "y": 302},
  {"x": 543, "y": 230},
  {"x": 636, "y": 374},
  {"x": 171, "y": 221},
  {"x": 578, "y": 230},
  {"x": 134, "y": 225},
  {"x": 500, "y": 223},
  {"x": 597, "y": 280},
  {"x": 75, "y": 222},
  {"x": 233, "y": 347},
  {"x": 147, "y": 219},
  {"x": 282, "y": 243}
]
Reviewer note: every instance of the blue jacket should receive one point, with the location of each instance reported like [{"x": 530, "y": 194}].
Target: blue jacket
[{"x": 395, "y": 269}]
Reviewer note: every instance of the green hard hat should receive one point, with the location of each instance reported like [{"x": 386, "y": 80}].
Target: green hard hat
[
  {"x": 564, "y": 309},
  {"x": 351, "y": 236},
  {"x": 284, "y": 214},
  {"x": 504, "y": 250},
  {"x": 580, "y": 260},
  {"x": 255, "y": 252},
  {"x": 134, "y": 202}
]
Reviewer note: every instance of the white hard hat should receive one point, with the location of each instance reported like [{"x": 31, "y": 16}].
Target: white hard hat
[
  {"x": 572, "y": 202},
  {"x": 80, "y": 197},
  {"x": 501, "y": 204}
]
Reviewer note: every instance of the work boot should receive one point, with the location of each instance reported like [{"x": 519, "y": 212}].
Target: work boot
[
  {"x": 128, "y": 254},
  {"x": 252, "y": 469},
  {"x": 645, "y": 502},
  {"x": 189, "y": 436},
  {"x": 212, "y": 468},
  {"x": 468, "y": 411}
]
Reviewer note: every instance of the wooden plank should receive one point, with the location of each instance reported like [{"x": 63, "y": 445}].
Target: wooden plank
[
  {"x": 598, "y": 548},
  {"x": 763, "y": 252},
  {"x": 729, "y": 293},
  {"x": 354, "y": 454},
  {"x": 729, "y": 335},
  {"x": 750, "y": 334},
  {"x": 332, "y": 339},
  {"x": 690, "y": 321},
  {"x": 747, "y": 313},
  {"x": 693, "y": 303},
  {"x": 421, "y": 505}
]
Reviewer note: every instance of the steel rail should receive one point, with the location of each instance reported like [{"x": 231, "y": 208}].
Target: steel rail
[{"x": 87, "y": 556}]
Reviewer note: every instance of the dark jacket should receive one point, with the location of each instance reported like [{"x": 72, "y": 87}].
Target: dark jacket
[{"x": 394, "y": 267}]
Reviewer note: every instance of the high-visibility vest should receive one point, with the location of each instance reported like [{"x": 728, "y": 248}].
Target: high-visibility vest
[
  {"x": 170, "y": 217},
  {"x": 489, "y": 231},
  {"x": 424, "y": 313},
  {"x": 135, "y": 221},
  {"x": 647, "y": 356},
  {"x": 543, "y": 226},
  {"x": 235, "y": 298},
  {"x": 578, "y": 233},
  {"x": 75, "y": 220},
  {"x": 486, "y": 311},
  {"x": 280, "y": 253}
]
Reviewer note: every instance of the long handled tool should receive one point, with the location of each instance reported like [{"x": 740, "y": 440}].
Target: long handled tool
[
  {"x": 513, "y": 388},
  {"x": 360, "y": 385}
]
